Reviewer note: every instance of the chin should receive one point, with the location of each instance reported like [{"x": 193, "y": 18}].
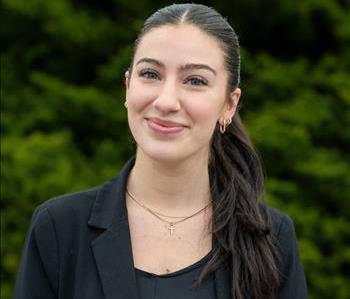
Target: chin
[
  {"x": 164, "y": 154},
  {"x": 171, "y": 153}
]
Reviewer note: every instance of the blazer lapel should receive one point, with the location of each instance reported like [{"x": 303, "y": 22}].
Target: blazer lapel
[
  {"x": 112, "y": 248},
  {"x": 113, "y": 255}
]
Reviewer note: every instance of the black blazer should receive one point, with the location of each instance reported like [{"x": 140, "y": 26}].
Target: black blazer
[{"x": 78, "y": 246}]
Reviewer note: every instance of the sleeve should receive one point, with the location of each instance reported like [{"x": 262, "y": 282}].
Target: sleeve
[
  {"x": 38, "y": 272},
  {"x": 292, "y": 277}
]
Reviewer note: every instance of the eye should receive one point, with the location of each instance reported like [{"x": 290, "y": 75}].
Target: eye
[
  {"x": 149, "y": 74},
  {"x": 196, "y": 81}
]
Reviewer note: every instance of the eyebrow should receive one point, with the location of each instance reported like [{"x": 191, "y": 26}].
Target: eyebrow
[
  {"x": 152, "y": 61},
  {"x": 188, "y": 66}
]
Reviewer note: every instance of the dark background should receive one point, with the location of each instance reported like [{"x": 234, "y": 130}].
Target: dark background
[{"x": 64, "y": 127}]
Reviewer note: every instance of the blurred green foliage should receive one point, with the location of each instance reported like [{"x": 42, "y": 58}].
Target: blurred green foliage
[{"x": 64, "y": 127}]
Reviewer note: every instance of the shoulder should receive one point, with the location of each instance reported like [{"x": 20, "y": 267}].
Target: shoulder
[
  {"x": 83, "y": 198},
  {"x": 97, "y": 207},
  {"x": 281, "y": 223},
  {"x": 66, "y": 206},
  {"x": 292, "y": 277},
  {"x": 283, "y": 232},
  {"x": 62, "y": 219},
  {"x": 98, "y": 203}
]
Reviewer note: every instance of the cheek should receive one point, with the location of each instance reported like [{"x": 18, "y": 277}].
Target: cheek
[
  {"x": 205, "y": 109},
  {"x": 140, "y": 97}
]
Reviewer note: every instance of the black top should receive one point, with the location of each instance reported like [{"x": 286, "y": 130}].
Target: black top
[
  {"x": 78, "y": 246},
  {"x": 177, "y": 284}
]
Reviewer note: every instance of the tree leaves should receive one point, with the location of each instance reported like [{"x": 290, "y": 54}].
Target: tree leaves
[{"x": 64, "y": 125}]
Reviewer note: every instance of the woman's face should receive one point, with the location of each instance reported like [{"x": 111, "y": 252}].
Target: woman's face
[{"x": 177, "y": 92}]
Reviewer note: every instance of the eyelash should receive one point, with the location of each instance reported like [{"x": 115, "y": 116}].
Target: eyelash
[
  {"x": 148, "y": 73},
  {"x": 199, "y": 80}
]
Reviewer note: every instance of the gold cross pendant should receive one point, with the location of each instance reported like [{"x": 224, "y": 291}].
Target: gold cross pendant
[{"x": 171, "y": 228}]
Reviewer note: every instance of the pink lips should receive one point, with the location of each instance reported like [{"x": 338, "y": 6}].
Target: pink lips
[{"x": 164, "y": 126}]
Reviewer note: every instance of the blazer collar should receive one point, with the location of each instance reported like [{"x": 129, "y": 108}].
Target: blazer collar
[
  {"x": 112, "y": 249},
  {"x": 109, "y": 207}
]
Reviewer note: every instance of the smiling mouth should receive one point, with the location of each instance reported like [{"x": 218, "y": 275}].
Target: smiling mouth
[{"x": 164, "y": 126}]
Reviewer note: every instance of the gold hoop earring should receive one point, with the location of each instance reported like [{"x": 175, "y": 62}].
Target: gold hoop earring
[{"x": 225, "y": 125}]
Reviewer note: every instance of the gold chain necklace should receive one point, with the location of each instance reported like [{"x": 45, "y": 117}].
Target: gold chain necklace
[{"x": 170, "y": 224}]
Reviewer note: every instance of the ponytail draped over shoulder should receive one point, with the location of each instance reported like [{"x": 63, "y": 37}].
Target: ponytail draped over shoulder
[{"x": 241, "y": 225}]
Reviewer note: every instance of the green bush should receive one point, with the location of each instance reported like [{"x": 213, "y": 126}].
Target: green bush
[{"x": 64, "y": 126}]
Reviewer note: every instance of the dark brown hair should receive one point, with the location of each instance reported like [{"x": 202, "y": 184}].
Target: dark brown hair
[{"x": 240, "y": 224}]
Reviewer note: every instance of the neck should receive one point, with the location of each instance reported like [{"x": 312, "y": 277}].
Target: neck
[{"x": 169, "y": 187}]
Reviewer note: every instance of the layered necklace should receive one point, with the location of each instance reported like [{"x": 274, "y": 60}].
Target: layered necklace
[{"x": 170, "y": 225}]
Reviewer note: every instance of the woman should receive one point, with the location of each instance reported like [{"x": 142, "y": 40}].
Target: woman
[{"x": 182, "y": 219}]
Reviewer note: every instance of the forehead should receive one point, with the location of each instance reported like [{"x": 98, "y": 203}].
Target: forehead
[{"x": 177, "y": 44}]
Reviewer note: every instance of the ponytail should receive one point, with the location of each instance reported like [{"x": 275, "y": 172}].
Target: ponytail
[{"x": 240, "y": 224}]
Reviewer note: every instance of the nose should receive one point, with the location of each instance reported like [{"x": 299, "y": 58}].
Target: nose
[{"x": 168, "y": 98}]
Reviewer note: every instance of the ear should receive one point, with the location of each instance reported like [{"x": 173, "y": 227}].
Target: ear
[
  {"x": 127, "y": 79},
  {"x": 127, "y": 83},
  {"x": 230, "y": 108}
]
